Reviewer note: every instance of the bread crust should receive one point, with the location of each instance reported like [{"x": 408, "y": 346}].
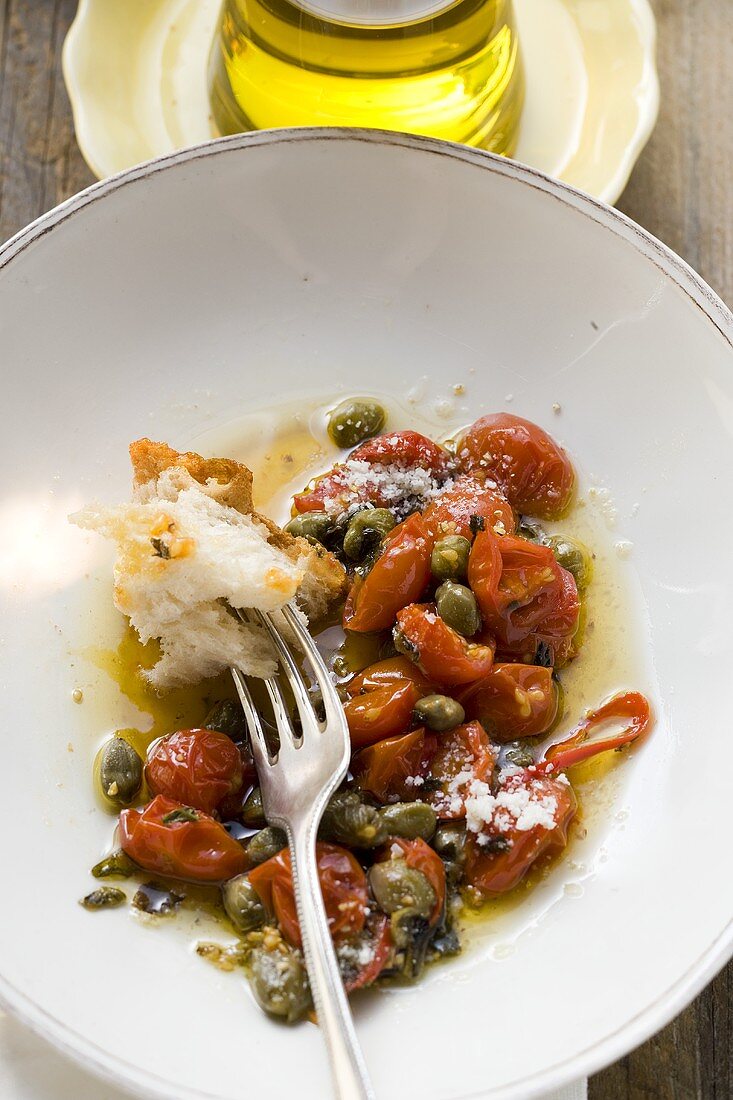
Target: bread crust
[{"x": 230, "y": 483}]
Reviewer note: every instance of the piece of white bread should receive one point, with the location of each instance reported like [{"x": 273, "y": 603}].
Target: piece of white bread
[{"x": 189, "y": 548}]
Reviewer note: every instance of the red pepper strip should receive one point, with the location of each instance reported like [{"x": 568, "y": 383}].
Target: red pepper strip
[{"x": 576, "y": 747}]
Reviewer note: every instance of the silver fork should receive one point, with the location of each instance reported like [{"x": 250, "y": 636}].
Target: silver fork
[{"x": 296, "y": 784}]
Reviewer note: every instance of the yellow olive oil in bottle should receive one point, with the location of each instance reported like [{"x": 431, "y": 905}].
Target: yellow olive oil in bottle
[{"x": 423, "y": 66}]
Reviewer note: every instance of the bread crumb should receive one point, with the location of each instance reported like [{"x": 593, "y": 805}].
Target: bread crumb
[{"x": 77, "y": 695}]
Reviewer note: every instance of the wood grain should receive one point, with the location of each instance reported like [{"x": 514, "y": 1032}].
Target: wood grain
[{"x": 680, "y": 191}]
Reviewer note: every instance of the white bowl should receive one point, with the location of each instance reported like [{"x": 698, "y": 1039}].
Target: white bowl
[{"x": 172, "y": 299}]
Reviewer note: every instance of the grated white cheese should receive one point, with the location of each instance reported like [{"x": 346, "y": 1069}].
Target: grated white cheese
[
  {"x": 516, "y": 805},
  {"x": 401, "y": 488}
]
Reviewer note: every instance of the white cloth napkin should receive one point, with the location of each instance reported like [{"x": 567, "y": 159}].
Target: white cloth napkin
[{"x": 31, "y": 1069}]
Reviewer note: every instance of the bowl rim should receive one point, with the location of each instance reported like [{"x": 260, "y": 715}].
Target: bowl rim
[{"x": 676, "y": 997}]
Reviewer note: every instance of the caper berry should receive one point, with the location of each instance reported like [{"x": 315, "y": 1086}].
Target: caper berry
[
  {"x": 366, "y": 529},
  {"x": 115, "y": 865},
  {"x": 242, "y": 903},
  {"x": 253, "y": 813},
  {"x": 265, "y": 844},
  {"x": 227, "y": 717},
  {"x": 449, "y": 559},
  {"x": 439, "y": 713},
  {"x": 105, "y": 897},
  {"x": 120, "y": 771},
  {"x": 355, "y": 420},
  {"x": 396, "y": 887},
  {"x": 458, "y": 608},
  {"x": 574, "y": 556},
  {"x": 349, "y": 820},
  {"x": 279, "y": 982},
  {"x": 314, "y": 526},
  {"x": 409, "y": 820}
]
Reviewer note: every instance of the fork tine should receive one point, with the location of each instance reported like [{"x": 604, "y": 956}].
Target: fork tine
[
  {"x": 260, "y": 752},
  {"x": 290, "y": 668},
  {"x": 332, "y": 703}
]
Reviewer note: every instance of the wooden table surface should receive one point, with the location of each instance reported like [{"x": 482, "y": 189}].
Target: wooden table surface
[{"x": 680, "y": 190}]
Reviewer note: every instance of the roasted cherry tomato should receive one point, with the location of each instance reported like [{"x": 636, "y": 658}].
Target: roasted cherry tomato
[
  {"x": 343, "y": 885},
  {"x": 491, "y": 872},
  {"x": 170, "y": 839},
  {"x": 468, "y": 499},
  {"x": 513, "y": 701},
  {"x": 398, "y": 577},
  {"x": 462, "y": 755},
  {"x": 380, "y": 942},
  {"x": 530, "y": 469},
  {"x": 196, "y": 767},
  {"x": 421, "y": 857},
  {"x": 521, "y": 589},
  {"x": 444, "y": 655},
  {"x": 382, "y": 712},
  {"x": 630, "y": 705},
  {"x": 396, "y": 766},
  {"x": 386, "y": 672},
  {"x": 404, "y": 449}
]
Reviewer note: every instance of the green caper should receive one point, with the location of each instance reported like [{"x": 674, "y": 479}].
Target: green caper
[
  {"x": 227, "y": 717},
  {"x": 573, "y": 555},
  {"x": 458, "y": 608},
  {"x": 449, "y": 559},
  {"x": 242, "y": 903},
  {"x": 439, "y": 713},
  {"x": 253, "y": 814},
  {"x": 450, "y": 842},
  {"x": 366, "y": 529},
  {"x": 120, "y": 771},
  {"x": 279, "y": 982},
  {"x": 519, "y": 755},
  {"x": 409, "y": 820},
  {"x": 265, "y": 844},
  {"x": 116, "y": 865},
  {"x": 528, "y": 529},
  {"x": 314, "y": 526},
  {"x": 354, "y": 420},
  {"x": 398, "y": 887},
  {"x": 349, "y": 820},
  {"x": 105, "y": 897}
]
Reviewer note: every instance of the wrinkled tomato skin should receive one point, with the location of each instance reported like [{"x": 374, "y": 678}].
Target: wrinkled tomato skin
[
  {"x": 406, "y": 448},
  {"x": 198, "y": 767},
  {"x": 343, "y": 885},
  {"x": 528, "y": 466},
  {"x": 421, "y": 857},
  {"x": 491, "y": 874},
  {"x": 453, "y": 512},
  {"x": 513, "y": 701},
  {"x": 386, "y": 672},
  {"x": 521, "y": 590},
  {"x": 398, "y": 577},
  {"x": 385, "y": 768},
  {"x": 466, "y": 749},
  {"x": 575, "y": 748},
  {"x": 446, "y": 657},
  {"x": 198, "y": 851},
  {"x": 382, "y": 712}
]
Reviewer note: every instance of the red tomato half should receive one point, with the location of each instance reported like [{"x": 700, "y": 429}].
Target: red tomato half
[
  {"x": 463, "y": 754},
  {"x": 513, "y": 701},
  {"x": 396, "y": 766},
  {"x": 530, "y": 469},
  {"x": 195, "y": 767},
  {"x": 404, "y": 449},
  {"x": 452, "y": 513},
  {"x": 170, "y": 839},
  {"x": 521, "y": 590},
  {"x": 343, "y": 885},
  {"x": 398, "y": 577},
  {"x": 421, "y": 857},
  {"x": 383, "y": 712},
  {"x": 444, "y": 655},
  {"x": 491, "y": 873},
  {"x": 386, "y": 672}
]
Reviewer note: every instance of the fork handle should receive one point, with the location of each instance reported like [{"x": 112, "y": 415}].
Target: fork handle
[{"x": 334, "y": 1015}]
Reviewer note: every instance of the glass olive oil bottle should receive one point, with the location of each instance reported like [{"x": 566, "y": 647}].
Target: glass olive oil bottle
[{"x": 445, "y": 70}]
